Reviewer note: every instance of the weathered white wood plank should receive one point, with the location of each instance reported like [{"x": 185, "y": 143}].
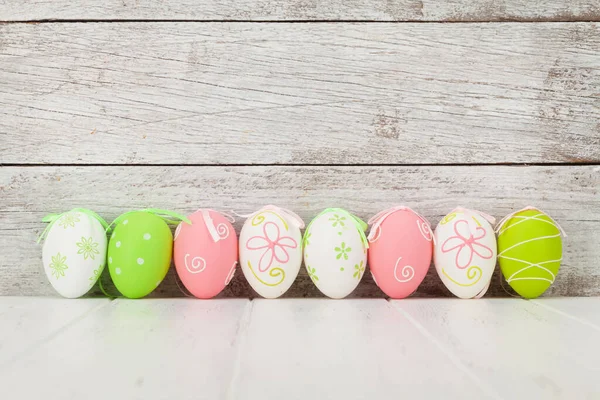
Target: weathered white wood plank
[
  {"x": 520, "y": 349},
  {"x": 328, "y": 93},
  {"x": 282, "y": 10},
  {"x": 25, "y": 322},
  {"x": 176, "y": 348},
  {"x": 569, "y": 194},
  {"x": 349, "y": 349},
  {"x": 307, "y": 348}
]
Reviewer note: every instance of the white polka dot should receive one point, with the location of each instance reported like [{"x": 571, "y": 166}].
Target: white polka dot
[
  {"x": 118, "y": 244},
  {"x": 125, "y": 222},
  {"x": 157, "y": 283},
  {"x": 118, "y": 271},
  {"x": 147, "y": 236},
  {"x": 110, "y": 260},
  {"x": 140, "y": 261},
  {"x": 112, "y": 236}
]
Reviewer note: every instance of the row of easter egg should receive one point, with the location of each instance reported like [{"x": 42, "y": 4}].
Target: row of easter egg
[{"x": 138, "y": 248}]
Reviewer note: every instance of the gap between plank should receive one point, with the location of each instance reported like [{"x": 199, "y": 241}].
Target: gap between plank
[
  {"x": 54, "y": 334},
  {"x": 451, "y": 356},
  {"x": 566, "y": 315},
  {"x": 507, "y": 164},
  {"x": 305, "y": 21},
  {"x": 239, "y": 343}
]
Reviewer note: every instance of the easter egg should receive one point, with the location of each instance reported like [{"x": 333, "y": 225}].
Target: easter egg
[
  {"x": 465, "y": 253},
  {"x": 205, "y": 253},
  {"x": 400, "y": 251},
  {"x": 74, "y": 253},
  {"x": 529, "y": 251},
  {"x": 139, "y": 253},
  {"x": 271, "y": 250},
  {"x": 335, "y": 252}
]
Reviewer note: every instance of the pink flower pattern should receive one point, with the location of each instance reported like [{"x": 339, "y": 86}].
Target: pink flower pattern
[
  {"x": 274, "y": 246},
  {"x": 466, "y": 243}
]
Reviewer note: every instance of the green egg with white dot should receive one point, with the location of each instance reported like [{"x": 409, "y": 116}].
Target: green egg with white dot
[{"x": 139, "y": 253}]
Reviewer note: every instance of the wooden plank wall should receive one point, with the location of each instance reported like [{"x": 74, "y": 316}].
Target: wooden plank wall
[{"x": 181, "y": 104}]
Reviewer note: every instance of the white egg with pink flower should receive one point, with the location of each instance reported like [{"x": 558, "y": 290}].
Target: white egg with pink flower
[
  {"x": 465, "y": 252},
  {"x": 270, "y": 253}
]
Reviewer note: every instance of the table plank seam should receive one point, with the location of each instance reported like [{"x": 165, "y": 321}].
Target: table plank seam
[
  {"x": 239, "y": 343},
  {"x": 449, "y": 354},
  {"x": 53, "y": 334},
  {"x": 566, "y": 315}
]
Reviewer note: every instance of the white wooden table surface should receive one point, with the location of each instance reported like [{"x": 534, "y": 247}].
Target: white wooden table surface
[{"x": 299, "y": 349}]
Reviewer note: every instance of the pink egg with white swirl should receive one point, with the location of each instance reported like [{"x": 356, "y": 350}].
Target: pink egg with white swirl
[
  {"x": 400, "y": 251},
  {"x": 205, "y": 253}
]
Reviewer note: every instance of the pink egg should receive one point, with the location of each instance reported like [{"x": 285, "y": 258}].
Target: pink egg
[
  {"x": 205, "y": 253},
  {"x": 400, "y": 251}
]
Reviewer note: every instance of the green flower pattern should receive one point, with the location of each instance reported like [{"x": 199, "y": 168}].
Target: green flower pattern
[
  {"x": 359, "y": 269},
  {"x": 58, "y": 265},
  {"x": 307, "y": 239},
  {"x": 88, "y": 248},
  {"x": 342, "y": 251},
  {"x": 337, "y": 220},
  {"x": 68, "y": 220}
]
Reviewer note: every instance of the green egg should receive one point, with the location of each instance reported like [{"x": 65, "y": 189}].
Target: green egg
[
  {"x": 529, "y": 252},
  {"x": 139, "y": 253}
]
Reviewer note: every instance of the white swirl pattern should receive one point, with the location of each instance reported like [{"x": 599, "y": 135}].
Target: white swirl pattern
[
  {"x": 425, "y": 230},
  {"x": 377, "y": 234},
  {"x": 177, "y": 231},
  {"x": 223, "y": 231},
  {"x": 231, "y": 274},
  {"x": 407, "y": 272},
  {"x": 198, "y": 264},
  {"x": 374, "y": 280}
]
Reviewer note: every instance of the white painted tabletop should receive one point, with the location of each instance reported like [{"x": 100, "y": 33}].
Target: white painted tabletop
[{"x": 299, "y": 349}]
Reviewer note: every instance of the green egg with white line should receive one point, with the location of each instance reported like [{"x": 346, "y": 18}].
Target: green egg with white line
[
  {"x": 530, "y": 251},
  {"x": 139, "y": 253}
]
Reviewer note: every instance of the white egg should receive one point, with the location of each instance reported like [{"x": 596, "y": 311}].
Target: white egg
[
  {"x": 465, "y": 253},
  {"x": 271, "y": 250},
  {"x": 74, "y": 253},
  {"x": 335, "y": 252}
]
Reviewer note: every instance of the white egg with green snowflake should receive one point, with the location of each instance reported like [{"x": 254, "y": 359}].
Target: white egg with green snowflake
[
  {"x": 335, "y": 252},
  {"x": 74, "y": 253}
]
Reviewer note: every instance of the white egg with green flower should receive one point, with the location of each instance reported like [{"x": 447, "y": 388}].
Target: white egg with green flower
[
  {"x": 335, "y": 252},
  {"x": 74, "y": 252}
]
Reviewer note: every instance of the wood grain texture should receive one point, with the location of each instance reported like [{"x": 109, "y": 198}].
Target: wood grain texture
[
  {"x": 582, "y": 310},
  {"x": 541, "y": 353},
  {"x": 327, "y": 93},
  {"x": 140, "y": 349},
  {"x": 568, "y": 193},
  {"x": 350, "y": 349},
  {"x": 306, "y": 349},
  {"x": 26, "y": 322},
  {"x": 311, "y": 10}
]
